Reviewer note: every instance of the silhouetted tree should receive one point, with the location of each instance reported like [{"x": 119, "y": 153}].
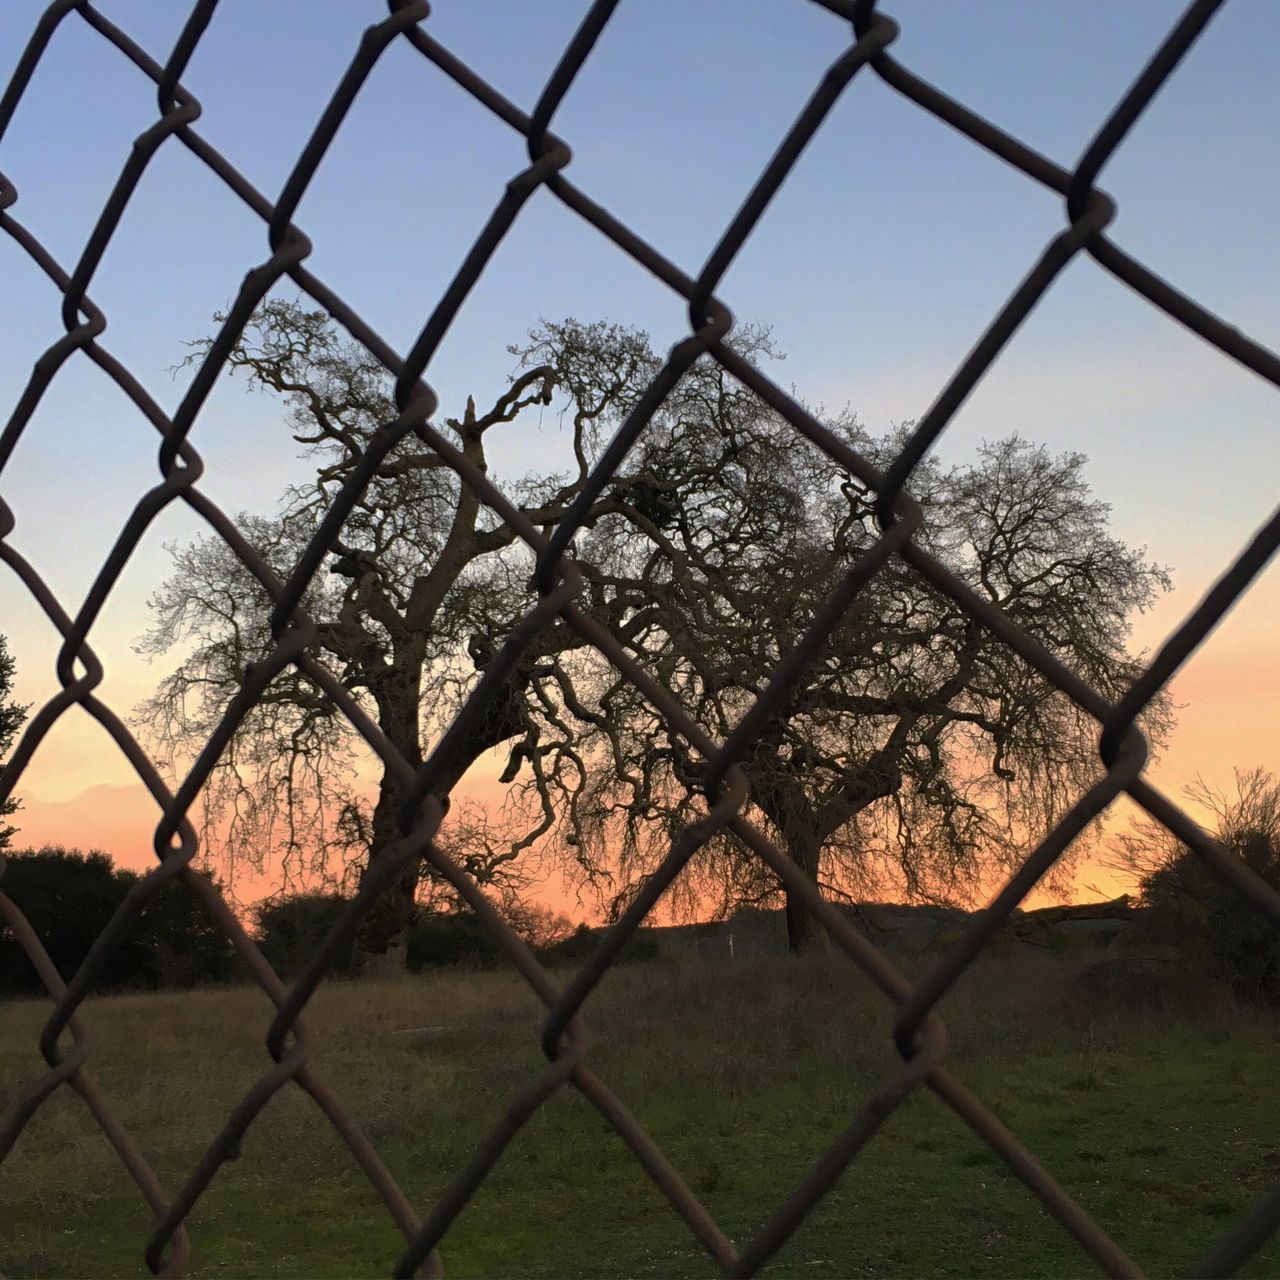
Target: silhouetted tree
[
  {"x": 918, "y": 749},
  {"x": 918, "y": 742},
  {"x": 1211, "y": 922},
  {"x": 11, "y": 719},
  {"x": 410, "y": 604},
  {"x": 69, "y": 897}
]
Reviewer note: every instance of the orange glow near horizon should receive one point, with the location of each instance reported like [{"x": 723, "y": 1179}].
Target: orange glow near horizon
[
  {"x": 79, "y": 791},
  {"x": 1228, "y": 709}
]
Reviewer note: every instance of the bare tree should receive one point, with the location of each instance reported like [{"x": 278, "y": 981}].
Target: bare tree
[
  {"x": 919, "y": 750},
  {"x": 405, "y": 610},
  {"x": 1249, "y": 817},
  {"x": 917, "y": 742}
]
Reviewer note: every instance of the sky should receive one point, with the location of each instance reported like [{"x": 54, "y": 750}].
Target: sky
[{"x": 883, "y": 258}]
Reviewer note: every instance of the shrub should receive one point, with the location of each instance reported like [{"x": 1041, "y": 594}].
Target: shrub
[
  {"x": 574, "y": 949},
  {"x": 535, "y": 924},
  {"x": 69, "y": 897},
  {"x": 1212, "y": 924},
  {"x": 1124, "y": 983},
  {"x": 451, "y": 938},
  {"x": 182, "y": 945},
  {"x": 292, "y": 926}
]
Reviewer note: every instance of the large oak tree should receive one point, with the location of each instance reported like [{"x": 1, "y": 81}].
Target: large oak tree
[
  {"x": 405, "y": 605},
  {"x": 919, "y": 751},
  {"x": 916, "y": 741}
]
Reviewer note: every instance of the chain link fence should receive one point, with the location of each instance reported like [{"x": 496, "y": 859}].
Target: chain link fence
[{"x": 920, "y": 1035}]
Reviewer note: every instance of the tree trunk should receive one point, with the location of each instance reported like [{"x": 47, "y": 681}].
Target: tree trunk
[
  {"x": 806, "y": 934},
  {"x": 382, "y": 940}
]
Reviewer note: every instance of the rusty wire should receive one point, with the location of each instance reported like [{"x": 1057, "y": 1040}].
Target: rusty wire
[{"x": 919, "y": 1033}]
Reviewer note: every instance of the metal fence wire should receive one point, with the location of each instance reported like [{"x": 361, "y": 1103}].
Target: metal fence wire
[{"x": 919, "y": 1033}]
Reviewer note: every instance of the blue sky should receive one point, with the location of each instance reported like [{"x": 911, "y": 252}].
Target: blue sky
[{"x": 885, "y": 255}]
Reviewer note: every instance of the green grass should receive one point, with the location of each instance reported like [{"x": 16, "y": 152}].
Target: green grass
[{"x": 1165, "y": 1128}]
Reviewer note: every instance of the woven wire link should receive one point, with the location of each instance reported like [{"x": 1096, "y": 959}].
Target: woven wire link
[{"x": 919, "y": 1033}]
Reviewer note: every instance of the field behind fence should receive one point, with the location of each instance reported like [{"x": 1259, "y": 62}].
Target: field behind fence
[{"x": 917, "y": 1059}]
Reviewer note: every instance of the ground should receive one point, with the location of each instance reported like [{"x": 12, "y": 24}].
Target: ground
[{"x": 1163, "y": 1123}]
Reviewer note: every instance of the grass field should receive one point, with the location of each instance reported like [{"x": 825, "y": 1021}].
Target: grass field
[{"x": 1164, "y": 1126}]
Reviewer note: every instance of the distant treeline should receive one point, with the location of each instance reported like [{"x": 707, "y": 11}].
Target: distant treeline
[
  {"x": 69, "y": 897},
  {"x": 1187, "y": 916}
]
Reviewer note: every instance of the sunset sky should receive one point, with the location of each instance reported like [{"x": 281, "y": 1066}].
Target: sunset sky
[{"x": 879, "y": 264}]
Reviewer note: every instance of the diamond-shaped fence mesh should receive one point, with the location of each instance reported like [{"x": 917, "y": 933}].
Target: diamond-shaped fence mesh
[{"x": 920, "y": 1034}]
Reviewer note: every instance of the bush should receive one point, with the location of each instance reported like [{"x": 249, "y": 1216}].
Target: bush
[
  {"x": 69, "y": 897},
  {"x": 1214, "y": 924},
  {"x": 451, "y": 938},
  {"x": 536, "y": 925},
  {"x": 292, "y": 926},
  {"x": 574, "y": 949},
  {"x": 183, "y": 945},
  {"x": 1211, "y": 923},
  {"x": 1127, "y": 984}
]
